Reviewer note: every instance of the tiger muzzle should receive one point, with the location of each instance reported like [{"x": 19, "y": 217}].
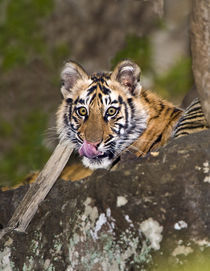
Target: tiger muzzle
[{"x": 89, "y": 149}]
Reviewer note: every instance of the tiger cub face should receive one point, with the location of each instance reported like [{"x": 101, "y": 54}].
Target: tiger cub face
[{"x": 101, "y": 114}]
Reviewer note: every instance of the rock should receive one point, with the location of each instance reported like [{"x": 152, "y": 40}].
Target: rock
[{"x": 147, "y": 214}]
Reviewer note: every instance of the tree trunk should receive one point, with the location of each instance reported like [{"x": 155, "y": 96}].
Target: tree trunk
[
  {"x": 200, "y": 45},
  {"x": 158, "y": 7}
]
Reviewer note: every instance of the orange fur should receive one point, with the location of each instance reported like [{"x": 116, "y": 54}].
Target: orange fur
[{"x": 162, "y": 118}]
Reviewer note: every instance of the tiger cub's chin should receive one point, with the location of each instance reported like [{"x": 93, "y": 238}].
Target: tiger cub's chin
[{"x": 97, "y": 163}]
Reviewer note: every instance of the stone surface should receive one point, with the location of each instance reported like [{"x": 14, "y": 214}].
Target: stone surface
[{"x": 146, "y": 211}]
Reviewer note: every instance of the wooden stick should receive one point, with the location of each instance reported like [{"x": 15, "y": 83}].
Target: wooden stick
[{"x": 38, "y": 190}]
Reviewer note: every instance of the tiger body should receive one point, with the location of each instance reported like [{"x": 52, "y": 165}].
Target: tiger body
[{"x": 106, "y": 113}]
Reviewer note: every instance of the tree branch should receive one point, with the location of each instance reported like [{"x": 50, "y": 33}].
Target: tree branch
[
  {"x": 39, "y": 190},
  {"x": 200, "y": 46}
]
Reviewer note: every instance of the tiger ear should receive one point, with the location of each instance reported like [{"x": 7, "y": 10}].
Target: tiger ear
[
  {"x": 70, "y": 74},
  {"x": 127, "y": 73}
]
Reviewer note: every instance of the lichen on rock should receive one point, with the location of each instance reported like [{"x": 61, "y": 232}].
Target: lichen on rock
[{"x": 147, "y": 214}]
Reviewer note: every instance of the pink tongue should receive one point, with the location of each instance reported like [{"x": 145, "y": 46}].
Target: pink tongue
[{"x": 89, "y": 150}]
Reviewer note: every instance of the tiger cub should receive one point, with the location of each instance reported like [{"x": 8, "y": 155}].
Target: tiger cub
[{"x": 106, "y": 113}]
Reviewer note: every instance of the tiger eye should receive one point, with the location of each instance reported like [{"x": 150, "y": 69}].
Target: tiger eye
[
  {"x": 82, "y": 111},
  {"x": 111, "y": 111}
]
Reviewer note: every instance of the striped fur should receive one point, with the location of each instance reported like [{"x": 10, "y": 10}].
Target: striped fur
[
  {"x": 192, "y": 121},
  {"x": 106, "y": 113}
]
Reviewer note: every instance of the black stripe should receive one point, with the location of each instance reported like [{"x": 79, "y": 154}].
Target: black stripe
[
  {"x": 69, "y": 100},
  {"x": 191, "y": 109},
  {"x": 79, "y": 138},
  {"x": 119, "y": 118},
  {"x": 190, "y": 124},
  {"x": 126, "y": 115},
  {"x": 109, "y": 138},
  {"x": 162, "y": 106},
  {"x": 195, "y": 116},
  {"x": 76, "y": 101},
  {"x": 82, "y": 101},
  {"x": 130, "y": 103},
  {"x": 194, "y": 102},
  {"x": 90, "y": 90},
  {"x": 72, "y": 126},
  {"x": 105, "y": 118},
  {"x": 155, "y": 117},
  {"x": 111, "y": 155},
  {"x": 167, "y": 110},
  {"x": 93, "y": 97},
  {"x": 157, "y": 110},
  {"x": 65, "y": 119},
  {"x": 181, "y": 128},
  {"x": 174, "y": 111},
  {"x": 120, "y": 125},
  {"x": 143, "y": 93},
  {"x": 193, "y": 113},
  {"x": 100, "y": 86},
  {"x": 120, "y": 99},
  {"x": 183, "y": 133},
  {"x": 105, "y": 90},
  {"x": 75, "y": 140},
  {"x": 70, "y": 109},
  {"x": 100, "y": 97},
  {"x": 75, "y": 119},
  {"x": 198, "y": 110},
  {"x": 155, "y": 142},
  {"x": 102, "y": 80},
  {"x": 115, "y": 131}
]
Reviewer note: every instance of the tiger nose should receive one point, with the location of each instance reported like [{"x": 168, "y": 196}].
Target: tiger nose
[{"x": 95, "y": 144}]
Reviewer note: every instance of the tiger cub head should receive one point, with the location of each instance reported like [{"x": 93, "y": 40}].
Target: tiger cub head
[{"x": 101, "y": 114}]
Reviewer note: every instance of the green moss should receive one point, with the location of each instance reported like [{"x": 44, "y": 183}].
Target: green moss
[
  {"x": 28, "y": 152},
  {"x": 5, "y": 128},
  {"x": 161, "y": 23},
  {"x": 137, "y": 49},
  {"x": 55, "y": 58},
  {"x": 60, "y": 53},
  {"x": 177, "y": 81},
  {"x": 196, "y": 262},
  {"x": 21, "y": 35}
]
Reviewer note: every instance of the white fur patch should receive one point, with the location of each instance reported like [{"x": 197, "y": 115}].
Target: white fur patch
[
  {"x": 127, "y": 68},
  {"x": 68, "y": 70},
  {"x": 105, "y": 163}
]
